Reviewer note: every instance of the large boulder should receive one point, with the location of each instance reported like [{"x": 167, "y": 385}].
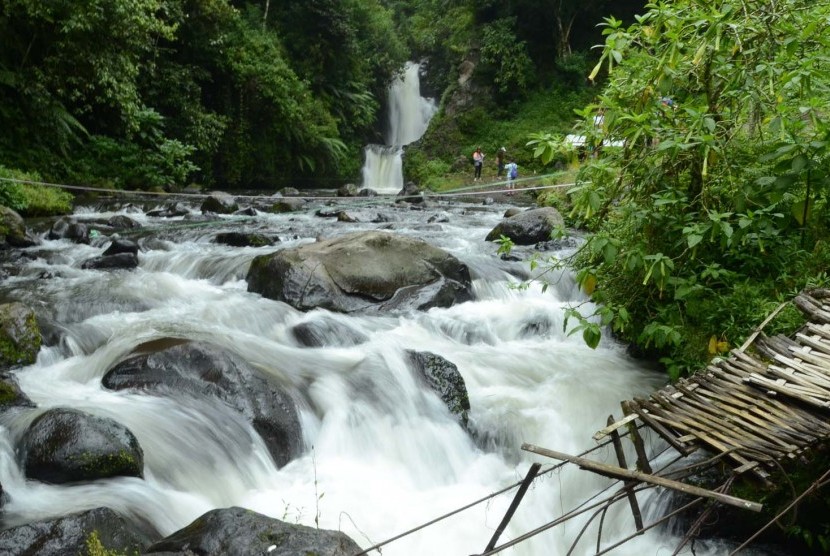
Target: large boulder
[
  {"x": 442, "y": 376},
  {"x": 237, "y": 531},
  {"x": 198, "y": 369},
  {"x": 20, "y": 336},
  {"x": 71, "y": 229},
  {"x": 13, "y": 231},
  {"x": 96, "y": 531},
  {"x": 528, "y": 227},
  {"x": 219, "y": 202},
  {"x": 65, "y": 445},
  {"x": 362, "y": 272},
  {"x": 105, "y": 262}
]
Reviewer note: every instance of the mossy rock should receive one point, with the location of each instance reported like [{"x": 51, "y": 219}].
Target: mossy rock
[{"x": 20, "y": 336}]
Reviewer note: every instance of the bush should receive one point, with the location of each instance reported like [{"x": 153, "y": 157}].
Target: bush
[{"x": 29, "y": 199}]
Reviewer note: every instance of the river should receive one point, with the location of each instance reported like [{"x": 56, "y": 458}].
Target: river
[{"x": 382, "y": 454}]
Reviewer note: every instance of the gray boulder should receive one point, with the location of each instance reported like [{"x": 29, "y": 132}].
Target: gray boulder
[
  {"x": 366, "y": 272},
  {"x": 122, "y": 222},
  {"x": 20, "y": 336},
  {"x": 69, "y": 228},
  {"x": 347, "y": 190},
  {"x": 121, "y": 246},
  {"x": 286, "y": 204},
  {"x": 327, "y": 332},
  {"x": 118, "y": 260},
  {"x": 64, "y": 445},
  {"x": 243, "y": 239},
  {"x": 237, "y": 531},
  {"x": 443, "y": 377},
  {"x": 96, "y": 531},
  {"x": 11, "y": 395},
  {"x": 13, "y": 231},
  {"x": 219, "y": 202},
  {"x": 528, "y": 227},
  {"x": 199, "y": 369}
]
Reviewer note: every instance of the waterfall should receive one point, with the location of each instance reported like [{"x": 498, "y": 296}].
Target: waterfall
[
  {"x": 382, "y": 454},
  {"x": 408, "y": 117}
]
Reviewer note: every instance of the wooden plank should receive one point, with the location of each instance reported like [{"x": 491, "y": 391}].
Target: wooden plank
[
  {"x": 745, "y": 421},
  {"x": 629, "y": 484},
  {"x": 681, "y": 423},
  {"x": 657, "y": 427},
  {"x": 815, "y": 344},
  {"x": 616, "y": 472},
  {"x": 794, "y": 416},
  {"x": 771, "y": 385},
  {"x": 764, "y": 419},
  {"x": 602, "y": 433},
  {"x": 802, "y": 379},
  {"x": 531, "y": 474},
  {"x": 722, "y": 429},
  {"x": 642, "y": 458}
]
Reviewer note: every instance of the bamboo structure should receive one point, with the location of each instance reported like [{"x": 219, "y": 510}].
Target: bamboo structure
[{"x": 767, "y": 402}]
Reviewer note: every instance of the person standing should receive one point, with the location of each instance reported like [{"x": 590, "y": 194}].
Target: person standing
[
  {"x": 512, "y": 173},
  {"x": 500, "y": 156},
  {"x": 478, "y": 162}
]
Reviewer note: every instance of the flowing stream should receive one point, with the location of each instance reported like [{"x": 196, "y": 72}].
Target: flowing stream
[
  {"x": 407, "y": 119},
  {"x": 382, "y": 453}
]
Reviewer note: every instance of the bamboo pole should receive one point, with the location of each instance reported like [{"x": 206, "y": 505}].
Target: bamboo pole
[{"x": 618, "y": 473}]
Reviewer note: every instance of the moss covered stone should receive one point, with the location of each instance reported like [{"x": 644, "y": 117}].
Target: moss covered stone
[{"x": 20, "y": 337}]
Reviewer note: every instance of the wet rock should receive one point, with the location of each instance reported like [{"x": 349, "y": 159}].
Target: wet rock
[
  {"x": 287, "y": 204},
  {"x": 170, "y": 210},
  {"x": 122, "y": 222},
  {"x": 96, "y": 531},
  {"x": 13, "y": 231},
  {"x": 11, "y": 395},
  {"x": 219, "y": 202},
  {"x": 327, "y": 332},
  {"x": 528, "y": 227},
  {"x": 243, "y": 239},
  {"x": 20, "y": 337},
  {"x": 443, "y": 377},
  {"x": 348, "y": 190},
  {"x": 199, "y": 369},
  {"x": 410, "y": 193},
  {"x": 69, "y": 228},
  {"x": 249, "y": 211},
  {"x": 121, "y": 246},
  {"x": 66, "y": 445},
  {"x": 367, "y": 193},
  {"x": 365, "y": 272},
  {"x": 344, "y": 216},
  {"x": 237, "y": 531},
  {"x": 289, "y": 192},
  {"x": 106, "y": 262}
]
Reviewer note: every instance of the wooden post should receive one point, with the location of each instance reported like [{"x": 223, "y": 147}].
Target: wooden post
[
  {"x": 642, "y": 459},
  {"x": 629, "y": 485},
  {"x": 531, "y": 474},
  {"x": 617, "y": 473}
]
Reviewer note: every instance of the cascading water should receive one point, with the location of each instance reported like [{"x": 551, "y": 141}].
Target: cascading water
[
  {"x": 408, "y": 117},
  {"x": 382, "y": 453}
]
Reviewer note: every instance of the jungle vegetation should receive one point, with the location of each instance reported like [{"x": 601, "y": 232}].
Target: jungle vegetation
[{"x": 711, "y": 213}]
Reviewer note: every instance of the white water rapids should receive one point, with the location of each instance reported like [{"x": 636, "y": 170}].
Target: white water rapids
[{"x": 382, "y": 454}]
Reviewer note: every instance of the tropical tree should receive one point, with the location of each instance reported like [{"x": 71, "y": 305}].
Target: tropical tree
[{"x": 715, "y": 206}]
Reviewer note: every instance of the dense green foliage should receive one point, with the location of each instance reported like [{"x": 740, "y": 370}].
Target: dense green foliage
[
  {"x": 27, "y": 199},
  {"x": 154, "y": 94},
  {"x": 715, "y": 209}
]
